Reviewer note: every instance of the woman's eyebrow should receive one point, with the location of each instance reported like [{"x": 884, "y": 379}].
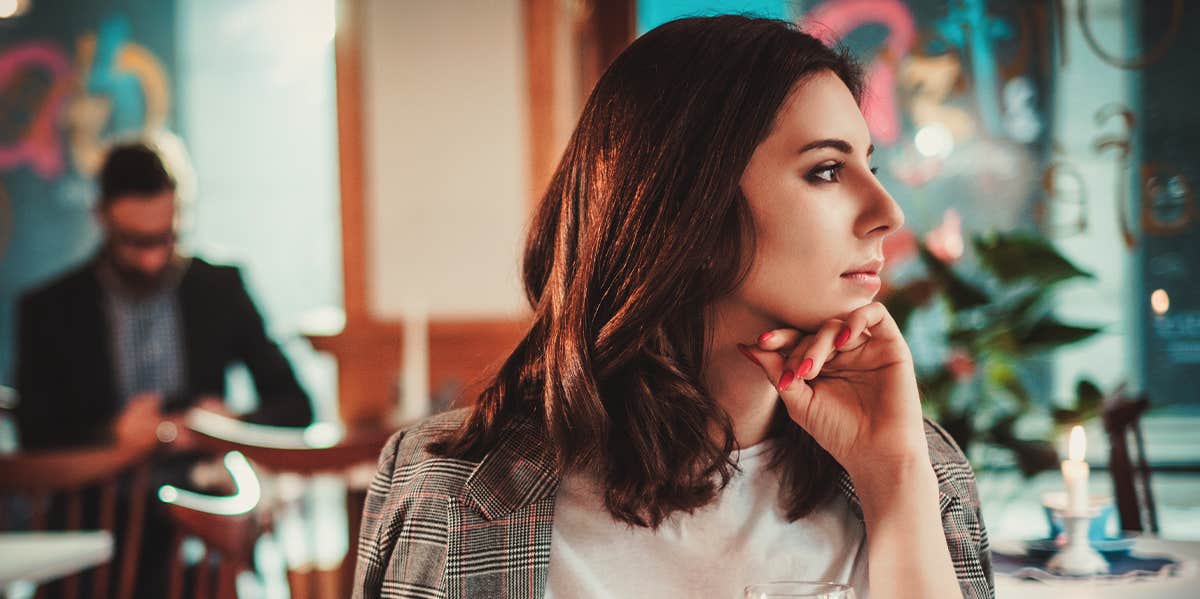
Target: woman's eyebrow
[{"x": 842, "y": 146}]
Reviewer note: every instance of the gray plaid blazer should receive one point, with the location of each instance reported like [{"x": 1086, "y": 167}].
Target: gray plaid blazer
[{"x": 441, "y": 528}]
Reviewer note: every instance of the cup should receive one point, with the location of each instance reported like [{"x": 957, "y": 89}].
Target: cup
[{"x": 798, "y": 588}]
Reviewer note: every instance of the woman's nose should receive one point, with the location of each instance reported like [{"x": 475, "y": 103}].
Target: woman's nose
[{"x": 883, "y": 213}]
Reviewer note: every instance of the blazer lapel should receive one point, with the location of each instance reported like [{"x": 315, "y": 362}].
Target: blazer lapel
[
  {"x": 503, "y": 521},
  {"x": 499, "y": 528},
  {"x": 96, "y": 331}
]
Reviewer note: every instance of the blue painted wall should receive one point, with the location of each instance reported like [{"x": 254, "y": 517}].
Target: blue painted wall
[
  {"x": 50, "y": 130},
  {"x": 246, "y": 88}
]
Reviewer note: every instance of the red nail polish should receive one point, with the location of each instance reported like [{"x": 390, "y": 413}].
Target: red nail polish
[
  {"x": 842, "y": 338},
  {"x": 805, "y": 366},
  {"x": 749, "y": 356},
  {"x": 786, "y": 379},
  {"x": 763, "y": 338}
]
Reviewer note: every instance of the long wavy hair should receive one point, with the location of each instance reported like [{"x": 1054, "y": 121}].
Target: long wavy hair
[{"x": 642, "y": 227}]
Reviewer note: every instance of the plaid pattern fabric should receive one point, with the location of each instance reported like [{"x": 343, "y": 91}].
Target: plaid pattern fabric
[
  {"x": 147, "y": 342},
  {"x": 439, "y": 528}
]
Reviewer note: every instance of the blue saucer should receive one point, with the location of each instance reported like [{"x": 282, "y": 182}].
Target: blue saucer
[{"x": 1109, "y": 548}]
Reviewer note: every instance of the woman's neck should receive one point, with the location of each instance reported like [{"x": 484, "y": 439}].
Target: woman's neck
[{"x": 739, "y": 386}]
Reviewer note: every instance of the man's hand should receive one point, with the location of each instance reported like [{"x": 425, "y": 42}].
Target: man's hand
[
  {"x": 140, "y": 418},
  {"x": 180, "y": 436},
  {"x": 214, "y": 404}
]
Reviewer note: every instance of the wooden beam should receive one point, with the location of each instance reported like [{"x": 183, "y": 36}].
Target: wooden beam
[
  {"x": 540, "y": 18},
  {"x": 464, "y": 354},
  {"x": 367, "y": 350},
  {"x": 605, "y": 29},
  {"x": 351, "y": 169}
]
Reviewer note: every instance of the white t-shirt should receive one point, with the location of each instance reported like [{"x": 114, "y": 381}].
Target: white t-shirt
[{"x": 742, "y": 538}]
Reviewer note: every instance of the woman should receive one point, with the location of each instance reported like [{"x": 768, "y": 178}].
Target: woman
[{"x": 708, "y": 396}]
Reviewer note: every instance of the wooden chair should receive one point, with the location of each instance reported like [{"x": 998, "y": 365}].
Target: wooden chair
[
  {"x": 1130, "y": 472},
  {"x": 50, "y": 479},
  {"x": 319, "y": 449},
  {"x": 228, "y": 526}
]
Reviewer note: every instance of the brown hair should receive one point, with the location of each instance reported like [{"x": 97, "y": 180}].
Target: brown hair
[
  {"x": 133, "y": 169},
  {"x": 642, "y": 227}
]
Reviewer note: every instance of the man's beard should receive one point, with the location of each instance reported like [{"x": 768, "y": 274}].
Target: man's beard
[{"x": 137, "y": 282}]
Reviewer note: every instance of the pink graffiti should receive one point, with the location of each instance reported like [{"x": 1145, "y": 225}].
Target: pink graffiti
[
  {"x": 40, "y": 147},
  {"x": 835, "y": 19}
]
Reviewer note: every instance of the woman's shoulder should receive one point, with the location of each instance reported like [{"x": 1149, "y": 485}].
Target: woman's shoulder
[
  {"x": 955, "y": 476},
  {"x": 407, "y": 461}
]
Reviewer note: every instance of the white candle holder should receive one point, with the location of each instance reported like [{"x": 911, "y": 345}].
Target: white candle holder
[{"x": 1078, "y": 558}]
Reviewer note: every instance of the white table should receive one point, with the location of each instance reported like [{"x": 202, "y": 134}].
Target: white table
[
  {"x": 1184, "y": 585},
  {"x": 37, "y": 557}
]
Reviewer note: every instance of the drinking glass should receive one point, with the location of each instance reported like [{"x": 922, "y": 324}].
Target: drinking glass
[{"x": 799, "y": 588}]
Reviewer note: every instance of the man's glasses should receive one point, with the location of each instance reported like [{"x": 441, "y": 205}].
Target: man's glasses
[{"x": 142, "y": 241}]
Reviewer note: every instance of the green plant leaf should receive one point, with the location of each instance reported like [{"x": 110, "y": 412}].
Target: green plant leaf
[
  {"x": 1048, "y": 333},
  {"x": 1002, "y": 429},
  {"x": 1089, "y": 401},
  {"x": 1032, "y": 457},
  {"x": 1028, "y": 306},
  {"x": 962, "y": 295},
  {"x": 1088, "y": 397},
  {"x": 1016, "y": 256},
  {"x": 903, "y": 301},
  {"x": 960, "y": 428},
  {"x": 1064, "y": 417},
  {"x": 935, "y": 389},
  {"x": 1002, "y": 374}
]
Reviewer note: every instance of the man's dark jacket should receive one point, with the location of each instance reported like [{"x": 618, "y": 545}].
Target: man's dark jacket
[{"x": 66, "y": 376}]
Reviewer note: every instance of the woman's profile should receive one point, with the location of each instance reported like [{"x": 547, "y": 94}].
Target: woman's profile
[{"x": 708, "y": 395}]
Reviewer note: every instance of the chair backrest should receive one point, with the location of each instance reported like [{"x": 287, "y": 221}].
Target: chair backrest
[
  {"x": 301, "y": 452},
  {"x": 228, "y": 526},
  {"x": 57, "y": 486},
  {"x": 1128, "y": 464}
]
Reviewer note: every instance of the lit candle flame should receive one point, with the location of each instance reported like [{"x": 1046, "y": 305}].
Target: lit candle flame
[
  {"x": 1077, "y": 446},
  {"x": 1160, "y": 302}
]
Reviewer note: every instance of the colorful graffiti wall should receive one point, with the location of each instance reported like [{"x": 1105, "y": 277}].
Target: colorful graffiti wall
[{"x": 74, "y": 76}]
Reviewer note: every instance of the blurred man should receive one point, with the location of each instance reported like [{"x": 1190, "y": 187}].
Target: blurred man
[{"x": 140, "y": 331}]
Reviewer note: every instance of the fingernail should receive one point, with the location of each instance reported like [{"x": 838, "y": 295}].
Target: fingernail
[
  {"x": 763, "y": 338},
  {"x": 749, "y": 356},
  {"x": 805, "y": 366},
  {"x": 842, "y": 338},
  {"x": 786, "y": 379}
]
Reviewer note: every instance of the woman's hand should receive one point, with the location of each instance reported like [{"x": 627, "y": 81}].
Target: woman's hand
[{"x": 852, "y": 386}]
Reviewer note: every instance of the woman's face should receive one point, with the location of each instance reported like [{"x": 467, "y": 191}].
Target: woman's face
[{"x": 819, "y": 212}]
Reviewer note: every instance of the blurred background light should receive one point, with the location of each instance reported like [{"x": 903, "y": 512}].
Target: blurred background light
[
  {"x": 1160, "y": 302},
  {"x": 934, "y": 141}
]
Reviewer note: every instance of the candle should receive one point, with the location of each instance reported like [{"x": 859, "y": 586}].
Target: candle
[
  {"x": 1075, "y": 473},
  {"x": 414, "y": 375}
]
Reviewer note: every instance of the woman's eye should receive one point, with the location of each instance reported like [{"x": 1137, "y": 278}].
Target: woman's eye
[{"x": 826, "y": 174}]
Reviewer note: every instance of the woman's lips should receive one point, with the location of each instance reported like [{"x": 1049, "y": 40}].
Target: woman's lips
[{"x": 866, "y": 278}]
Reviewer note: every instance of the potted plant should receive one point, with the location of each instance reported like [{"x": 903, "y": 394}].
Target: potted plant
[{"x": 997, "y": 322}]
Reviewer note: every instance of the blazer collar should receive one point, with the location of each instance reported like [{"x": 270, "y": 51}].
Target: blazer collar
[{"x": 521, "y": 469}]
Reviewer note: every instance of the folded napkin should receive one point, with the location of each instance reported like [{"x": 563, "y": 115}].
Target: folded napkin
[{"x": 1121, "y": 567}]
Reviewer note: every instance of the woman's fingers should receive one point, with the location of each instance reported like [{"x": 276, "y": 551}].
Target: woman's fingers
[
  {"x": 771, "y": 362},
  {"x": 814, "y": 351},
  {"x": 779, "y": 340},
  {"x": 807, "y": 355},
  {"x": 796, "y": 394},
  {"x": 855, "y": 332},
  {"x": 876, "y": 321}
]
